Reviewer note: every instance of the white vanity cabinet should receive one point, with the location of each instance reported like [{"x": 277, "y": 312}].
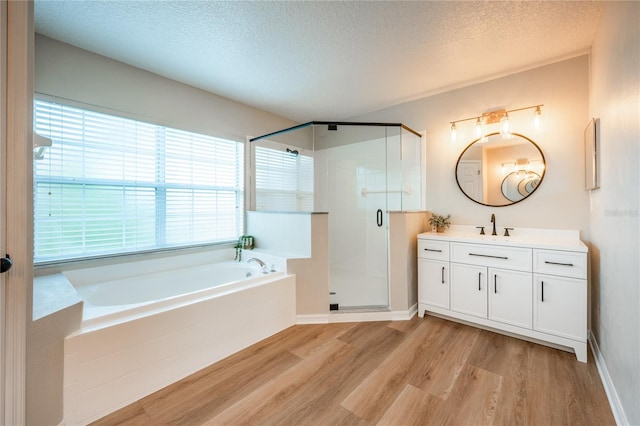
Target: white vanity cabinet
[
  {"x": 469, "y": 289},
  {"x": 433, "y": 273},
  {"x": 560, "y": 306},
  {"x": 533, "y": 287},
  {"x": 510, "y": 297},
  {"x": 491, "y": 281}
]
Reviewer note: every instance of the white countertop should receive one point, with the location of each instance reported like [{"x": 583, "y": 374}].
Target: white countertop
[{"x": 552, "y": 239}]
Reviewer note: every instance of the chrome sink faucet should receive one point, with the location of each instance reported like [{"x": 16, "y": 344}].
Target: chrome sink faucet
[{"x": 493, "y": 220}]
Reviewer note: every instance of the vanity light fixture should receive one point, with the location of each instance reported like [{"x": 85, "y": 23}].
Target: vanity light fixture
[
  {"x": 505, "y": 126},
  {"x": 498, "y": 116},
  {"x": 537, "y": 118},
  {"x": 454, "y": 132},
  {"x": 478, "y": 129}
]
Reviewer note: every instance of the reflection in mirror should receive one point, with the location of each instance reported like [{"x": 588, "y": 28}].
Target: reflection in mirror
[
  {"x": 518, "y": 185},
  {"x": 499, "y": 172}
]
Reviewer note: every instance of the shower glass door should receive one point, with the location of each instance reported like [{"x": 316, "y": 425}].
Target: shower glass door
[
  {"x": 353, "y": 185},
  {"x": 356, "y": 172}
]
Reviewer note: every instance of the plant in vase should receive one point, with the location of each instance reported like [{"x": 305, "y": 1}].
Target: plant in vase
[{"x": 439, "y": 223}]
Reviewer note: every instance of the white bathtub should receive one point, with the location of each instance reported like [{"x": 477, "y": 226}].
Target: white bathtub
[
  {"x": 122, "y": 298},
  {"x": 143, "y": 332}
]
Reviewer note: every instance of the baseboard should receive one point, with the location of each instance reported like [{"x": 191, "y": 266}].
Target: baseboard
[
  {"x": 337, "y": 316},
  {"x": 614, "y": 401},
  {"x": 354, "y": 316},
  {"x": 404, "y": 315},
  {"x": 312, "y": 319}
]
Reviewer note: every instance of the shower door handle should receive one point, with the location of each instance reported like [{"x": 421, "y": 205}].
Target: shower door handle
[{"x": 379, "y": 217}]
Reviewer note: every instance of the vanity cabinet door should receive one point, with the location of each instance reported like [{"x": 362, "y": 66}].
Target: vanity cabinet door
[
  {"x": 560, "y": 306},
  {"x": 511, "y": 297},
  {"x": 433, "y": 283},
  {"x": 469, "y": 289}
]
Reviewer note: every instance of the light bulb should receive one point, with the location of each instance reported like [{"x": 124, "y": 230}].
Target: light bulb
[
  {"x": 537, "y": 118},
  {"x": 454, "y": 132},
  {"x": 478, "y": 128},
  {"x": 505, "y": 126}
]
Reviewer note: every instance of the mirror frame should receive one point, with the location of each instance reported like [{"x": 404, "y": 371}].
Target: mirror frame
[{"x": 544, "y": 171}]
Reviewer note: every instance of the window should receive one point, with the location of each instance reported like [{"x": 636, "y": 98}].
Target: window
[
  {"x": 284, "y": 177},
  {"x": 113, "y": 185}
]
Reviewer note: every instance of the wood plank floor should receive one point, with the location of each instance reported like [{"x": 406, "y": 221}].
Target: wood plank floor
[{"x": 427, "y": 371}]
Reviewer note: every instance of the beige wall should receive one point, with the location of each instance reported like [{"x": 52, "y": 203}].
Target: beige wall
[
  {"x": 561, "y": 201},
  {"x": 403, "y": 260},
  {"x": 614, "y": 228},
  {"x": 70, "y": 73}
]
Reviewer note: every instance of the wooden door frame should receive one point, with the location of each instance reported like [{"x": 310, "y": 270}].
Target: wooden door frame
[
  {"x": 18, "y": 55},
  {"x": 3, "y": 162}
]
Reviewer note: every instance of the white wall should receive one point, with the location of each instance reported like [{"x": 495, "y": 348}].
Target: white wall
[
  {"x": 615, "y": 207},
  {"x": 561, "y": 201}
]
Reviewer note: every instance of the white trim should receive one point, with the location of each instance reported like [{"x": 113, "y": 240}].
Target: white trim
[
  {"x": 609, "y": 388},
  {"x": 404, "y": 315},
  {"x": 312, "y": 319},
  {"x": 337, "y": 316},
  {"x": 19, "y": 215}
]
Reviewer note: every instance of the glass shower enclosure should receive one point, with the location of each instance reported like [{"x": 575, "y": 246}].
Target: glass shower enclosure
[{"x": 357, "y": 173}]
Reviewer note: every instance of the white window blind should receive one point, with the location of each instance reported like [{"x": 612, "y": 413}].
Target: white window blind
[
  {"x": 284, "y": 180},
  {"x": 113, "y": 185}
]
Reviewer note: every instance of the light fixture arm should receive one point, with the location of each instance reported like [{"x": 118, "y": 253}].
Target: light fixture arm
[{"x": 498, "y": 114}]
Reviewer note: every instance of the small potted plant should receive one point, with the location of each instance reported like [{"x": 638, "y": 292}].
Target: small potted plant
[{"x": 439, "y": 223}]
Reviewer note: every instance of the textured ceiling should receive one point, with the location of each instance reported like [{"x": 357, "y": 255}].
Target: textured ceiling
[{"x": 313, "y": 60}]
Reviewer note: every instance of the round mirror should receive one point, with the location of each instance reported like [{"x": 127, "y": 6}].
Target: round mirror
[{"x": 496, "y": 172}]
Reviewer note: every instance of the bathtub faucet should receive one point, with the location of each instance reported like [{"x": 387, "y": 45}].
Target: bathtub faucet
[{"x": 259, "y": 262}]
